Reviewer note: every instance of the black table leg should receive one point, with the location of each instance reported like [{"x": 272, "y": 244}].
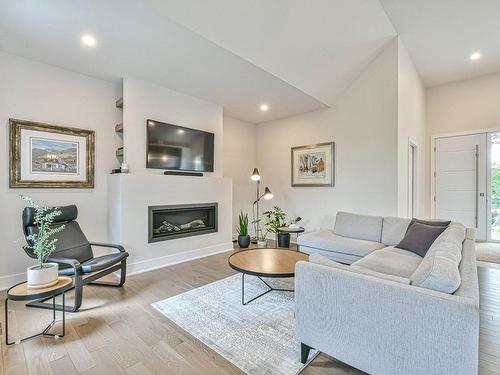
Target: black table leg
[
  {"x": 45, "y": 332},
  {"x": 260, "y": 295}
]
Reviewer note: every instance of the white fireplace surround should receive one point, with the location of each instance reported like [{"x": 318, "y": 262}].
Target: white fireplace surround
[{"x": 130, "y": 195}]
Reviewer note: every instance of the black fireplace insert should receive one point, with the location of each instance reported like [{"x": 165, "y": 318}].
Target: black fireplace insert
[{"x": 181, "y": 220}]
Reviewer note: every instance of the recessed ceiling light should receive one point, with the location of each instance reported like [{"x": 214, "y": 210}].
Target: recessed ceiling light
[
  {"x": 264, "y": 107},
  {"x": 475, "y": 56},
  {"x": 88, "y": 40},
  {"x": 180, "y": 131}
]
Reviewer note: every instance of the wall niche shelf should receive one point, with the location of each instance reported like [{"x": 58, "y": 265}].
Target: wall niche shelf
[
  {"x": 119, "y": 103},
  {"x": 119, "y": 131}
]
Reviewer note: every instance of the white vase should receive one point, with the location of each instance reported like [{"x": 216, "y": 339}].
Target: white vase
[
  {"x": 261, "y": 244},
  {"x": 43, "y": 277}
]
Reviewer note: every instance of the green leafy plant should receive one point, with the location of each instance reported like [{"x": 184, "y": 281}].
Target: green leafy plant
[
  {"x": 43, "y": 243},
  {"x": 275, "y": 219},
  {"x": 243, "y": 224}
]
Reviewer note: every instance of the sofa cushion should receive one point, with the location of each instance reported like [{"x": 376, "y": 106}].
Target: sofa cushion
[
  {"x": 391, "y": 261},
  {"x": 327, "y": 240},
  {"x": 419, "y": 238},
  {"x": 439, "y": 269},
  {"x": 394, "y": 229},
  {"x": 320, "y": 259},
  {"x": 361, "y": 227}
]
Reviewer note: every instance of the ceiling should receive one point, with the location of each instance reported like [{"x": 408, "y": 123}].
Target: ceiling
[
  {"x": 440, "y": 35},
  {"x": 294, "y": 55}
]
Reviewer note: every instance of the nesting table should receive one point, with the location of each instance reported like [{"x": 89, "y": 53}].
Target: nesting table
[
  {"x": 274, "y": 263},
  {"x": 21, "y": 292}
]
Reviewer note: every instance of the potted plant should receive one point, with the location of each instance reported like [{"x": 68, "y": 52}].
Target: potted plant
[
  {"x": 276, "y": 219},
  {"x": 42, "y": 244},
  {"x": 243, "y": 236}
]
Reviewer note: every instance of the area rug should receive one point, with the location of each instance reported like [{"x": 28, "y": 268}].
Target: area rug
[{"x": 259, "y": 338}]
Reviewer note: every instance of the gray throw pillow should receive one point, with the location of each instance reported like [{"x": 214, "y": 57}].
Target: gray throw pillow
[
  {"x": 434, "y": 223},
  {"x": 419, "y": 238}
]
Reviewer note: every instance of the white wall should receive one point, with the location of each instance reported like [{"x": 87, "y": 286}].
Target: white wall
[
  {"x": 240, "y": 158},
  {"x": 43, "y": 93},
  {"x": 143, "y": 100},
  {"x": 472, "y": 104},
  {"x": 363, "y": 124},
  {"x": 411, "y": 125}
]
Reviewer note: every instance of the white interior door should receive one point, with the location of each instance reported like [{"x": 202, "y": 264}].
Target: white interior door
[{"x": 460, "y": 181}]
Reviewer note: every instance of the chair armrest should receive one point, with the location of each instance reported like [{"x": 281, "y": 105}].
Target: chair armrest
[
  {"x": 69, "y": 261},
  {"x": 358, "y": 318},
  {"x": 114, "y": 246}
]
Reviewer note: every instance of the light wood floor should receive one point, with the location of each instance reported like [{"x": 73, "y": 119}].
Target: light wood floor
[{"x": 118, "y": 332}]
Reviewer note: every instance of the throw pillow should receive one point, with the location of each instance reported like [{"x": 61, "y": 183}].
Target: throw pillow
[
  {"x": 419, "y": 238},
  {"x": 434, "y": 223}
]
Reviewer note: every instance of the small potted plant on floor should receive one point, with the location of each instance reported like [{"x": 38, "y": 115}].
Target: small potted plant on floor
[
  {"x": 243, "y": 236},
  {"x": 42, "y": 244},
  {"x": 276, "y": 219}
]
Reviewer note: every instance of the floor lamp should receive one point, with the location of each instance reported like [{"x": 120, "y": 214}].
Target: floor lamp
[{"x": 267, "y": 195}]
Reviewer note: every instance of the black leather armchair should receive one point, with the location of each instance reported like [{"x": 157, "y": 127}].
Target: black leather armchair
[{"x": 75, "y": 256}]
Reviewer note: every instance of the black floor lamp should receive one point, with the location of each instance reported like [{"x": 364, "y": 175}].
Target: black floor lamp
[{"x": 267, "y": 195}]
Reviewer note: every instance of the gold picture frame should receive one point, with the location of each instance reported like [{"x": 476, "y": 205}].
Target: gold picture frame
[
  {"x": 71, "y": 165},
  {"x": 313, "y": 165}
]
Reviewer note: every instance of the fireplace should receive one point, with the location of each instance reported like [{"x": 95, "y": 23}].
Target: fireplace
[{"x": 181, "y": 220}]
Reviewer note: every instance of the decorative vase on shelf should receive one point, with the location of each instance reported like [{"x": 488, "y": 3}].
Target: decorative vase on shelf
[
  {"x": 261, "y": 243},
  {"x": 43, "y": 277},
  {"x": 243, "y": 241}
]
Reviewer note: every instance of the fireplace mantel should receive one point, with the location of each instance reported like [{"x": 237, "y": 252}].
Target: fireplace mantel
[{"x": 130, "y": 196}]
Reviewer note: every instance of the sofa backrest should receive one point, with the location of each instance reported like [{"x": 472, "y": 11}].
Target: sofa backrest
[
  {"x": 361, "y": 227},
  {"x": 439, "y": 269},
  {"x": 394, "y": 229}
]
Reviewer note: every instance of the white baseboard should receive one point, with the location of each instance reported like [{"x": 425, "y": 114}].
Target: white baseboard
[
  {"x": 10, "y": 280},
  {"x": 169, "y": 260},
  {"x": 143, "y": 265}
]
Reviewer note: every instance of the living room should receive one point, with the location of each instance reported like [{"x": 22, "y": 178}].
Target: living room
[{"x": 253, "y": 187}]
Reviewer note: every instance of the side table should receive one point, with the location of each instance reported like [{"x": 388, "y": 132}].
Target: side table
[
  {"x": 288, "y": 230},
  {"x": 21, "y": 292}
]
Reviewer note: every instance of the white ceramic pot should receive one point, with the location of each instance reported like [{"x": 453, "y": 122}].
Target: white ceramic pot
[
  {"x": 43, "y": 277},
  {"x": 261, "y": 244}
]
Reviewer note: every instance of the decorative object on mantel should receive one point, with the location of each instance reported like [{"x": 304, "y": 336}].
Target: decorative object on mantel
[
  {"x": 49, "y": 156},
  {"x": 313, "y": 165},
  {"x": 243, "y": 236},
  {"x": 42, "y": 244},
  {"x": 256, "y": 216}
]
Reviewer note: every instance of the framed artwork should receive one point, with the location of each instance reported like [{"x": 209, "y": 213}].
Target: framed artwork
[
  {"x": 313, "y": 165},
  {"x": 49, "y": 156}
]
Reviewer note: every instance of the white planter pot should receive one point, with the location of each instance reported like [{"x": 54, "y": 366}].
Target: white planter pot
[
  {"x": 261, "y": 244},
  {"x": 43, "y": 277}
]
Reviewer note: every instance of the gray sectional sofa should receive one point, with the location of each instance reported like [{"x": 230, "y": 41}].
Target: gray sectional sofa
[{"x": 390, "y": 311}]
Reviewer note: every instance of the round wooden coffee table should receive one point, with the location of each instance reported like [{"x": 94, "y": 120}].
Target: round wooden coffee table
[{"x": 275, "y": 263}]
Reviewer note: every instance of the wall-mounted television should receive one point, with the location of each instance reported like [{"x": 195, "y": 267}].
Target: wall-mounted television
[{"x": 179, "y": 148}]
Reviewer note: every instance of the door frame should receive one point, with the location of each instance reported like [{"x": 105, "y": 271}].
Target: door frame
[{"x": 413, "y": 173}]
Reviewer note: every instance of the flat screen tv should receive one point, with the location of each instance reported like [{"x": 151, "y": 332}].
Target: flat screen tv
[{"x": 179, "y": 148}]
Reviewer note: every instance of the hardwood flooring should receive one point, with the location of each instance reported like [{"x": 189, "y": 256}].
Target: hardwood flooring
[{"x": 118, "y": 332}]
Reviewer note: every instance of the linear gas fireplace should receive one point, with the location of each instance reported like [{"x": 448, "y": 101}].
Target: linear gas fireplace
[{"x": 181, "y": 220}]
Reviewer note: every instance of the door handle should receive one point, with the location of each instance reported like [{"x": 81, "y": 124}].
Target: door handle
[{"x": 476, "y": 155}]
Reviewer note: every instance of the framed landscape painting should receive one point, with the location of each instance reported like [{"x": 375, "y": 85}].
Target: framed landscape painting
[
  {"x": 49, "y": 156},
  {"x": 313, "y": 165}
]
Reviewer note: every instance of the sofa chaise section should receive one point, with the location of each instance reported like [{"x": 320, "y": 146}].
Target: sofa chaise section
[{"x": 389, "y": 324}]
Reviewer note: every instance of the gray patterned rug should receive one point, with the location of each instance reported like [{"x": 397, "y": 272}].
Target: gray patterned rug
[{"x": 259, "y": 338}]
